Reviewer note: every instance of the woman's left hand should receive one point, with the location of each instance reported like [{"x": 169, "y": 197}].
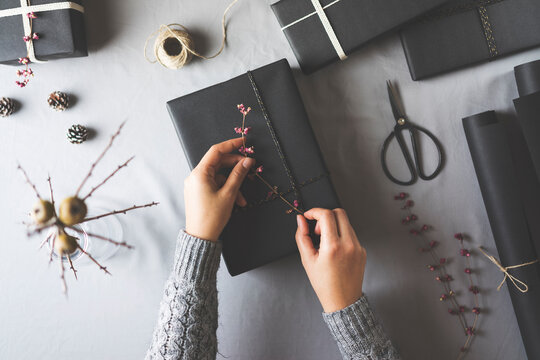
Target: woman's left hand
[{"x": 210, "y": 196}]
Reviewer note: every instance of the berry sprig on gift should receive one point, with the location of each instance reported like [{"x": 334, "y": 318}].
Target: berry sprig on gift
[
  {"x": 26, "y": 74},
  {"x": 438, "y": 264},
  {"x": 71, "y": 213},
  {"x": 274, "y": 193}
]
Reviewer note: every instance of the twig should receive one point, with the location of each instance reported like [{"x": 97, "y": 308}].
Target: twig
[
  {"x": 45, "y": 241},
  {"x": 38, "y": 230},
  {"x": 107, "y": 178},
  {"x": 52, "y": 250},
  {"x": 94, "y": 260},
  {"x": 275, "y": 192},
  {"x": 117, "y": 243},
  {"x": 134, "y": 207},
  {"x": 72, "y": 267},
  {"x": 99, "y": 158},
  {"x": 19, "y": 167},
  {"x": 62, "y": 271},
  {"x": 51, "y": 191}
]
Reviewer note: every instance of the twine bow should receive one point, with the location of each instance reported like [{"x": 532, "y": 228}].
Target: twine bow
[{"x": 520, "y": 285}]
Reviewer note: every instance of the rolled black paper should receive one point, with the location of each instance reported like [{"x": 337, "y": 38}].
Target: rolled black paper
[
  {"x": 528, "y": 110},
  {"x": 510, "y": 192}
]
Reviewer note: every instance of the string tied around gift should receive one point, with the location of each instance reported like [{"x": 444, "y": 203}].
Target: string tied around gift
[
  {"x": 26, "y": 8},
  {"x": 174, "y": 46},
  {"x": 520, "y": 285}
]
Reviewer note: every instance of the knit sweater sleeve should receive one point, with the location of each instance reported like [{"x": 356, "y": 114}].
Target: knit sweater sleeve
[
  {"x": 359, "y": 334},
  {"x": 187, "y": 322}
]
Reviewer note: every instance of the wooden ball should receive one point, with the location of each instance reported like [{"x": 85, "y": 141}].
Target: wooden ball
[
  {"x": 65, "y": 244},
  {"x": 72, "y": 211},
  {"x": 42, "y": 212}
]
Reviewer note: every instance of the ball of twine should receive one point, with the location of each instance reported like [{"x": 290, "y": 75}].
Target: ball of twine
[{"x": 174, "y": 46}]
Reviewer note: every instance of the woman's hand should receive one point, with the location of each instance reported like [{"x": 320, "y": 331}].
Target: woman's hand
[
  {"x": 336, "y": 269},
  {"x": 210, "y": 196}
]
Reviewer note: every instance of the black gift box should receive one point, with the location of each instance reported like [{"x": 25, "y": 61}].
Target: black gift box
[
  {"x": 284, "y": 144},
  {"x": 62, "y": 33},
  {"x": 467, "y": 32},
  {"x": 354, "y": 22}
]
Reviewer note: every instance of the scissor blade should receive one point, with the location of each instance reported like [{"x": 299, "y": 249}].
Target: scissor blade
[{"x": 394, "y": 102}]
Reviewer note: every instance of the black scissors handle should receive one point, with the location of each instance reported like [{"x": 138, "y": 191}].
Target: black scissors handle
[{"x": 415, "y": 166}]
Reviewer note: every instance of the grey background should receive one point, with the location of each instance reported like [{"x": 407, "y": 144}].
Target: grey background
[{"x": 269, "y": 313}]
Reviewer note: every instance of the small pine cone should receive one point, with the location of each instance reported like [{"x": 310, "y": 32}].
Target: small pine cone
[
  {"x": 58, "y": 101},
  {"x": 6, "y": 107},
  {"x": 77, "y": 134}
]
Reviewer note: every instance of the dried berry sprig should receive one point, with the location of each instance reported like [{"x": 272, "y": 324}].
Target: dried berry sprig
[
  {"x": 72, "y": 211},
  {"x": 27, "y": 73},
  {"x": 439, "y": 266},
  {"x": 246, "y": 151}
]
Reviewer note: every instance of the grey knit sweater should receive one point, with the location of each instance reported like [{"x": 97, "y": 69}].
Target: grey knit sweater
[{"x": 187, "y": 323}]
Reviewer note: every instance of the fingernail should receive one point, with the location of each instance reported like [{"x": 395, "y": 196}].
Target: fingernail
[{"x": 248, "y": 163}]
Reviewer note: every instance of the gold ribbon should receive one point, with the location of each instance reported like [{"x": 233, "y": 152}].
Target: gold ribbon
[{"x": 520, "y": 285}]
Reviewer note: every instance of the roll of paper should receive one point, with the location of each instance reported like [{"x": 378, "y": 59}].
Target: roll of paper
[
  {"x": 511, "y": 196},
  {"x": 528, "y": 110}
]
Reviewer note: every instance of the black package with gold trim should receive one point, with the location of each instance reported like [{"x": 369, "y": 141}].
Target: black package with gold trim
[
  {"x": 467, "y": 32},
  {"x": 284, "y": 144},
  {"x": 354, "y": 23}
]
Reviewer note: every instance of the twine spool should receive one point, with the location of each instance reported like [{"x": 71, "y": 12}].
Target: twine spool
[{"x": 174, "y": 45}]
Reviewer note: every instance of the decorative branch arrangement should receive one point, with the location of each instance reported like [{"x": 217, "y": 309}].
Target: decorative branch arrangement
[
  {"x": 245, "y": 150},
  {"x": 27, "y": 73},
  {"x": 438, "y": 266},
  {"x": 72, "y": 212}
]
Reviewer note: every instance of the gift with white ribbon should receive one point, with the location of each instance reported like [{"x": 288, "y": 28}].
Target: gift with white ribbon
[{"x": 26, "y": 7}]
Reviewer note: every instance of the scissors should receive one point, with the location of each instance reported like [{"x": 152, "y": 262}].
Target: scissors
[{"x": 402, "y": 124}]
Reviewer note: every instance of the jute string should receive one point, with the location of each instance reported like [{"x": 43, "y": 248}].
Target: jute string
[
  {"x": 520, "y": 285},
  {"x": 174, "y": 46}
]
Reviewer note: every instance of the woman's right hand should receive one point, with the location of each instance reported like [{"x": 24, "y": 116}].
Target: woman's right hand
[{"x": 336, "y": 269}]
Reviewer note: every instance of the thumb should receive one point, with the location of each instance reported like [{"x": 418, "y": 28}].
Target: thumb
[
  {"x": 237, "y": 176},
  {"x": 303, "y": 240}
]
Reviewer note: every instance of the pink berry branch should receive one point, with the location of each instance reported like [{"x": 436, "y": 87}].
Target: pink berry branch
[
  {"x": 438, "y": 266},
  {"x": 71, "y": 213},
  {"x": 246, "y": 151},
  {"x": 26, "y": 74}
]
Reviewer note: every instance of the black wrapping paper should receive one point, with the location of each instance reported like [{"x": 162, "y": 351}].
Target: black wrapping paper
[
  {"x": 355, "y": 22},
  {"x": 463, "y": 33},
  {"x": 262, "y": 232},
  {"x": 511, "y": 195},
  {"x": 62, "y": 33}
]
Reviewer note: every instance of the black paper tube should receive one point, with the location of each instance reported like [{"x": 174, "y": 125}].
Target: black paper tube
[
  {"x": 528, "y": 110},
  {"x": 505, "y": 176}
]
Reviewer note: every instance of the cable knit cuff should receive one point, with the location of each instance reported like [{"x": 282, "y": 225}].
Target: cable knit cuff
[
  {"x": 196, "y": 260},
  {"x": 357, "y": 331}
]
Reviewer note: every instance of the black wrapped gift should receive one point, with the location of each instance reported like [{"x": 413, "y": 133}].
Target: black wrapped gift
[
  {"x": 323, "y": 31},
  {"x": 59, "y": 24},
  {"x": 467, "y": 32},
  {"x": 284, "y": 145}
]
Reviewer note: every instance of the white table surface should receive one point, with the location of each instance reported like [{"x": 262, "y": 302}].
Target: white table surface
[{"x": 269, "y": 313}]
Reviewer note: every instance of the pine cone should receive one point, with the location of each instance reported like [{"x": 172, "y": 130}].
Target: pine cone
[
  {"x": 58, "y": 100},
  {"x": 6, "y": 107},
  {"x": 77, "y": 134}
]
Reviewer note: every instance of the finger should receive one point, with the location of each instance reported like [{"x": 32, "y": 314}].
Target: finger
[
  {"x": 241, "y": 200},
  {"x": 317, "y": 229},
  {"x": 343, "y": 224},
  {"x": 303, "y": 240},
  {"x": 214, "y": 155},
  {"x": 327, "y": 223},
  {"x": 230, "y": 160},
  {"x": 237, "y": 176}
]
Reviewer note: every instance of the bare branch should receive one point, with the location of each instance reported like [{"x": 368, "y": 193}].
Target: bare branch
[
  {"x": 124, "y": 211},
  {"x": 94, "y": 260},
  {"x": 62, "y": 271},
  {"x": 45, "y": 241},
  {"x": 117, "y": 243},
  {"x": 107, "y": 178},
  {"x": 19, "y": 167},
  {"x": 39, "y": 229},
  {"x": 51, "y": 191},
  {"x": 52, "y": 250},
  {"x": 92, "y": 167},
  {"x": 71, "y": 267}
]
